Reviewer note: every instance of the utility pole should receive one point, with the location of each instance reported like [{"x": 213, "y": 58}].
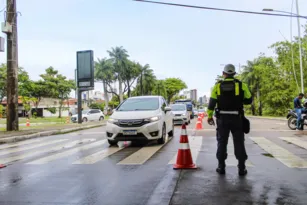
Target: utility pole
[
  {"x": 12, "y": 67},
  {"x": 300, "y": 46}
]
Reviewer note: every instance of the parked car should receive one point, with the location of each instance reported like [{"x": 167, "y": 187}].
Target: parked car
[
  {"x": 181, "y": 114},
  {"x": 89, "y": 115},
  {"x": 140, "y": 118}
]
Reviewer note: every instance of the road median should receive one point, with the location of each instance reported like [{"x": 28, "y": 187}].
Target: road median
[
  {"x": 267, "y": 118},
  {"x": 15, "y": 136}
]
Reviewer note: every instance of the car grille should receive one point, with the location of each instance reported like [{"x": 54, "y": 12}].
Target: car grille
[
  {"x": 139, "y": 136},
  {"x": 73, "y": 118},
  {"x": 131, "y": 123},
  {"x": 178, "y": 115}
]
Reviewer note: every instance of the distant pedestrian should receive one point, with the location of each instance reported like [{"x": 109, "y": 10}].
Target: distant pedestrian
[{"x": 229, "y": 95}]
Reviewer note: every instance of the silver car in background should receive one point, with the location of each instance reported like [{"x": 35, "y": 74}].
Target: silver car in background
[{"x": 181, "y": 114}]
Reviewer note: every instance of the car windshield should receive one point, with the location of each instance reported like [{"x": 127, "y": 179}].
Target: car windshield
[
  {"x": 139, "y": 104},
  {"x": 177, "y": 107}
]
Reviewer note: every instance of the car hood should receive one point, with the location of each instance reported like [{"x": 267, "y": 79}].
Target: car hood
[
  {"x": 125, "y": 115},
  {"x": 178, "y": 112}
]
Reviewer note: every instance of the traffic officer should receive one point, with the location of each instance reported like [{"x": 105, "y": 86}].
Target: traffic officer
[{"x": 229, "y": 95}]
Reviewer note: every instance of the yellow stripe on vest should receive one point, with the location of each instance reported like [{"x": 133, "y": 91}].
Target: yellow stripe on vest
[
  {"x": 218, "y": 89},
  {"x": 237, "y": 89}
]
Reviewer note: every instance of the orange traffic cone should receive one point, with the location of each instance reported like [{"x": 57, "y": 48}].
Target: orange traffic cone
[
  {"x": 199, "y": 124},
  {"x": 28, "y": 122},
  {"x": 2, "y": 166},
  {"x": 184, "y": 156}
]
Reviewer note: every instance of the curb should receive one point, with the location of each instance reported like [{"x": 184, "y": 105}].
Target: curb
[
  {"x": 266, "y": 118},
  {"x": 46, "y": 133}
]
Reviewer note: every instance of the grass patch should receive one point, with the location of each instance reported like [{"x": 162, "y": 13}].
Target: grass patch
[{"x": 267, "y": 155}]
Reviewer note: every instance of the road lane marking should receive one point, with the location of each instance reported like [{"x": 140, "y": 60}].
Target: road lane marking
[
  {"x": 19, "y": 149},
  {"x": 53, "y": 157},
  {"x": 231, "y": 158},
  {"x": 195, "y": 146},
  {"x": 295, "y": 141},
  {"x": 15, "y": 144},
  {"x": 41, "y": 151},
  {"x": 93, "y": 158},
  {"x": 142, "y": 155},
  {"x": 281, "y": 154}
]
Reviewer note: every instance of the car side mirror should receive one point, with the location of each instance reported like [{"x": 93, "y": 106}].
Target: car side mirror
[{"x": 167, "y": 109}]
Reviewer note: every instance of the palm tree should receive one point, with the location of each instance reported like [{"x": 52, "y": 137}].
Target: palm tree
[
  {"x": 104, "y": 73},
  {"x": 146, "y": 81},
  {"x": 119, "y": 55}
]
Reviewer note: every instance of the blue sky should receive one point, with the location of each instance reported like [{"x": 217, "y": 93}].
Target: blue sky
[{"x": 177, "y": 42}]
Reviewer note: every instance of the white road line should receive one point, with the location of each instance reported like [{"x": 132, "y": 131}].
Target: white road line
[
  {"x": 281, "y": 154},
  {"x": 93, "y": 158},
  {"x": 142, "y": 155},
  {"x": 53, "y": 157},
  {"x": 231, "y": 159},
  {"x": 195, "y": 146},
  {"x": 20, "y": 143},
  {"x": 41, "y": 151},
  {"x": 297, "y": 142},
  {"x": 19, "y": 149}
]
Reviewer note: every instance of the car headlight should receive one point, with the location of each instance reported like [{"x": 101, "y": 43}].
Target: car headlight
[
  {"x": 152, "y": 119},
  {"x": 113, "y": 121},
  {"x": 183, "y": 114}
]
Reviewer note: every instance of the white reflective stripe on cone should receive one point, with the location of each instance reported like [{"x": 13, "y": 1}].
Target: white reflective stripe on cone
[
  {"x": 184, "y": 146},
  {"x": 184, "y": 132}
]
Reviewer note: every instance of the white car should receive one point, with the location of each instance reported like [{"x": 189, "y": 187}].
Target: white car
[
  {"x": 89, "y": 115},
  {"x": 182, "y": 115},
  {"x": 140, "y": 118}
]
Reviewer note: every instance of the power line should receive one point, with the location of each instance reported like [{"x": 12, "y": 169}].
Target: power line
[{"x": 217, "y": 9}]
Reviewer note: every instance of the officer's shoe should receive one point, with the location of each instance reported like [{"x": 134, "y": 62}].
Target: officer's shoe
[
  {"x": 242, "y": 172},
  {"x": 242, "y": 169},
  {"x": 221, "y": 168}
]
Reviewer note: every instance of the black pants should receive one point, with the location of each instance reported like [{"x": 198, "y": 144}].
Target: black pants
[{"x": 225, "y": 125}]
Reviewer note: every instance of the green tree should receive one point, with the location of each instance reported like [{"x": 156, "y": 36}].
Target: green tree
[
  {"x": 119, "y": 56},
  {"x": 160, "y": 88},
  {"x": 104, "y": 72},
  {"x": 146, "y": 81},
  {"x": 173, "y": 86},
  {"x": 130, "y": 74}
]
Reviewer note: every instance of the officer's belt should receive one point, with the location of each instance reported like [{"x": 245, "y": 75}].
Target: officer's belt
[{"x": 229, "y": 112}]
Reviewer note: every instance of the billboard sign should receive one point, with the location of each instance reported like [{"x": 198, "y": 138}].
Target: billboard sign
[{"x": 85, "y": 69}]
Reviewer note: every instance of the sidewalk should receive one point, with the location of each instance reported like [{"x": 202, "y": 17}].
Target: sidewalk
[{"x": 45, "y": 130}]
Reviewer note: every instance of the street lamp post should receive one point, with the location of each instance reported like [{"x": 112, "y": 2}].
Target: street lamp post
[{"x": 299, "y": 35}]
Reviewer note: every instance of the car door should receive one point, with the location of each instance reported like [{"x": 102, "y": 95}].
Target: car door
[
  {"x": 96, "y": 115},
  {"x": 168, "y": 116},
  {"x": 91, "y": 115}
]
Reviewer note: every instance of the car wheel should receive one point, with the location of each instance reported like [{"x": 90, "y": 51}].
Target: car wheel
[
  {"x": 101, "y": 118},
  {"x": 112, "y": 142},
  {"x": 162, "y": 139},
  {"x": 84, "y": 119},
  {"x": 171, "y": 133}
]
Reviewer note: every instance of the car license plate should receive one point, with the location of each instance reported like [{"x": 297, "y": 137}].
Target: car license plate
[{"x": 130, "y": 132}]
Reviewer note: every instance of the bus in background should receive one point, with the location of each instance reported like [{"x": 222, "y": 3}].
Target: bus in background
[{"x": 189, "y": 104}]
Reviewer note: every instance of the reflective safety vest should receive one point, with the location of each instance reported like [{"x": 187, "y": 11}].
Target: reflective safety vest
[{"x": 230, "y": 95}]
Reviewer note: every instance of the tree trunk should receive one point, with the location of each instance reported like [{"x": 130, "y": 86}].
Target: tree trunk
[
  {"x": 120, "y": 89},
  {"x": 129, "y": 90},
  {"x": 253, "y": 106},
  {"x": 106, "y": 97},
  {"x": 258, "y": 97},
  {"x": 60, "y": 109}
]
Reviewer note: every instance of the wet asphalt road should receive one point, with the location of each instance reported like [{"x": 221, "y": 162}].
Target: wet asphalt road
[{"x": 80, "y": 168}]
